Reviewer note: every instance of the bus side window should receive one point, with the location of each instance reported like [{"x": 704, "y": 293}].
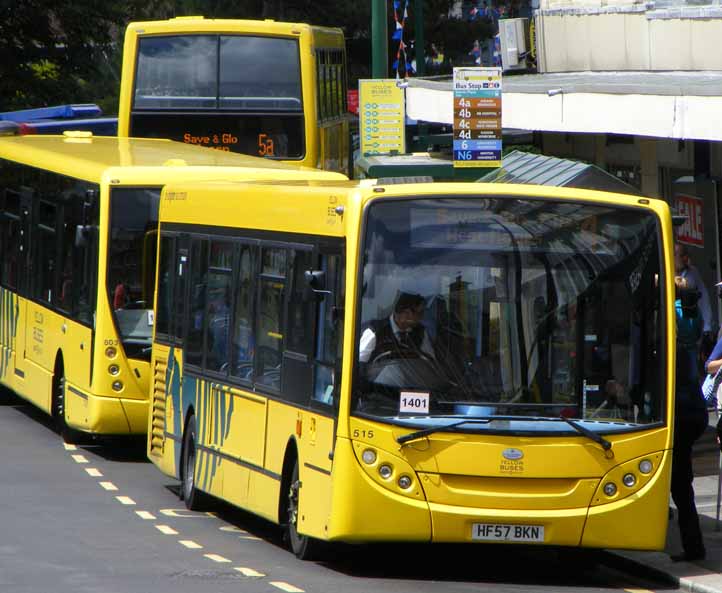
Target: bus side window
[
  {"x": 197, "y": 309},
  {"x": 243, "y": 341},
  {"x": 329, "y": 333},
  {"x": 219, "y": 306},
  {"x": 165, "y": 287},
  {"x": 269, "y": 334},
  {"x": 297, "y": 366}
]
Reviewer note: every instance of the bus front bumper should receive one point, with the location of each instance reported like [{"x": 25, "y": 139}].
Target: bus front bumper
[{"x": 105, "y": 415}]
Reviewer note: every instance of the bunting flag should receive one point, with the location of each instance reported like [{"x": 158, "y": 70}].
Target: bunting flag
[{"x": 402, "y": 64}]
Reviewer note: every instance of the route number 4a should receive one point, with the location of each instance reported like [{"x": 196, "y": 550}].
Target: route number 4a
[{"x": 464, "y": 103}]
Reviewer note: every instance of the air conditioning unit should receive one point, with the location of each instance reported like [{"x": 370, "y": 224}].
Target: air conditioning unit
[{"x": 512, "y": 37}]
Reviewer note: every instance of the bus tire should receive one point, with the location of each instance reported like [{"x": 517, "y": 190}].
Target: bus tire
[
  {"x": 68, "y": 434},
  {"x": 193, "y": 498},
  {"x": 303, "y": 546}
]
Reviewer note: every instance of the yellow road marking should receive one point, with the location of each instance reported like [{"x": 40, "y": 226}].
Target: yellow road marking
[
  {"x": 249, "y": 572},
  {"x": 638, "y": 591},
  {"x": 145, "y": 515},
  {"x": 70, "y": 447},
  {"x": 96, "y": 473},
  {"x": 79, "y": 458},
  {"x": 108, "y": 485},
  {"x": 216, "y": 558},
  {"x": 190, "y": 544},
  {"x": 125, "y": 500},
  {"x": 286, "y": 587},
  {"x": 251, "y": 537},
  {"x": 166, "y": 529}
]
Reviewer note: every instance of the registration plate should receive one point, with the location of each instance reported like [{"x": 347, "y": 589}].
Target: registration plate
[{"x": 500, "y": 532}]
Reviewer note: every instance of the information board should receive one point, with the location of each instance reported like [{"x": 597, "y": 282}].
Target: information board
[
  {"x": 477, "y": 117},
  {"x": 382, "y": 114}
]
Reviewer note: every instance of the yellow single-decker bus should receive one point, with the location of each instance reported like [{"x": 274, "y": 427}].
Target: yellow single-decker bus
[
  {"x": 418, "y": 362},
  {"x": 78, "y": 236}
]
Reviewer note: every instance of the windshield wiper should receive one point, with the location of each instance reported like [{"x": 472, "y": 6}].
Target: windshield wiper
[
  {"x": 597, "y": 438},
  {"x": 431, "y": 430}
]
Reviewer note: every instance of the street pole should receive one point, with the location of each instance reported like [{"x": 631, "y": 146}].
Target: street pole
[{"x": 379, "y": 39}]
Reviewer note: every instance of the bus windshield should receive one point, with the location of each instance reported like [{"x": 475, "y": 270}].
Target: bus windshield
[
  {"x": 218, "y": 71},
  {"x": 513, "y": 311},
  {"x": 131, "y": 265}
]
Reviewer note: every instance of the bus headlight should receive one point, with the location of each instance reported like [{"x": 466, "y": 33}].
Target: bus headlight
[
  {"x": 385, "y": 471},
  {"x": 404, "y": 482},
  {"x": 645, "y": 466},
  {"x": 111, "y": 352},
  {"x": 369, "y": 456},
  {"x": 610, "y": 488},
  {"x": 629, "y": 480},
  {"x": 117, "y": 386}
]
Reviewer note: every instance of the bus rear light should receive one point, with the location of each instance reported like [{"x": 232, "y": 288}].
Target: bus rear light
[
  {"x": 114, "y": 369},
  {"x": 111, "y": 352},
  {"x": 117, "y": 386}
]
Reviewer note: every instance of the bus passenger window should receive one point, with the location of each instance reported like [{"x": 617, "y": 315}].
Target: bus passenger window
[
  {"x": 165, "y": 286},
  {"x": 198, "y": 280},
  {"x": 329, "y": 333},
  {"x": 270, "y": 318},
  {"x": 219, "y": 306},
  {"x": 243, "y": 344}
]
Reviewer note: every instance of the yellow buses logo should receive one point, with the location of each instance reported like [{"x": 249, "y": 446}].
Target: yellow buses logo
[{"x": 512, "y": 454}]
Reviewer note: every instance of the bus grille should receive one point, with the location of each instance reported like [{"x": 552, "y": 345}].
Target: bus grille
[{"x": 159, "y": 396}]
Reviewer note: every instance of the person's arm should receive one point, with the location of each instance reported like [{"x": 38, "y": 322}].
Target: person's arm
[
  {"x": 714, "y": 362},
  {"x": 366, "y": 345}
]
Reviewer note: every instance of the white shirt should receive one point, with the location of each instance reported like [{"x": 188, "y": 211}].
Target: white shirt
[{"x": 368, "y": 342}]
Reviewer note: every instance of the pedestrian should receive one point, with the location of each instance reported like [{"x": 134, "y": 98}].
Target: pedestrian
[
  {"x": 690, "y": 419},
  {"x": 688, "y": 271}
]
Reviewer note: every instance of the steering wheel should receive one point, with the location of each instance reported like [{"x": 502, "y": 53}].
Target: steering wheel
[{"x": 406, "y": 354}]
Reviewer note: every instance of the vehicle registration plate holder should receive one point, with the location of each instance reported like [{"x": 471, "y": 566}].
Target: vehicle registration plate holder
[{"x": 505, "y": 532}]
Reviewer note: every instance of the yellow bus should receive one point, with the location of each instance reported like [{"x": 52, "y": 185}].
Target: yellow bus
[
  {"x": 263, "y": 88},
  {"x": 78, "y": 237},
  {"x": 530, "y": 401}
]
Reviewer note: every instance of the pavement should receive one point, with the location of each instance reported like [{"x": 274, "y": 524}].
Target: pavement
[{"x": 704, "y": 576}]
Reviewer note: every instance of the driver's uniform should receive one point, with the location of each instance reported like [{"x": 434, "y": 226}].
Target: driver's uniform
[{"x": 383, "y": 335}]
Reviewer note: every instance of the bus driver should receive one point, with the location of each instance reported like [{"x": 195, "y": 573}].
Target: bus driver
[{"x": 402, "y": 332}]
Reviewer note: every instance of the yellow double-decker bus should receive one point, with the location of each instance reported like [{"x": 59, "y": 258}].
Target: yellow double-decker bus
[
  {"x": 418, "y": 362},
  {"x": 78, "y": 237},
  {"x": 264, "y": 88}
]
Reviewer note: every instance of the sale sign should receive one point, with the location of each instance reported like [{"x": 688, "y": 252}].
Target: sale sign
[{"x": 692, "y": 231}]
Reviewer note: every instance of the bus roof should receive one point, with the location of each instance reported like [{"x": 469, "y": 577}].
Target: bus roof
[
  {"x": 199, "y": 24},
  {"x": 312, "y": 206},
  {"x": 90, "y": 157}
]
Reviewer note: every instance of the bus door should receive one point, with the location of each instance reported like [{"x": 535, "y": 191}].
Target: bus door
[{"x": 318, "y": 438}]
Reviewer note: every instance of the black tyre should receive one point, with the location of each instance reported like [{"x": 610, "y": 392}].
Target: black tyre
[
  {"x": 194, "y": 499},
  {"x": 58, "y": 410},
  {"x": 303, "y": 546}
]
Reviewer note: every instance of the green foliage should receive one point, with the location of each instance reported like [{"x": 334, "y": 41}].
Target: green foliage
[{"x": 59, "y": 51}]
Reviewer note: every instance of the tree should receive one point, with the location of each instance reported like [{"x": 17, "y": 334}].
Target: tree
[{"x": 62, "y": 51}]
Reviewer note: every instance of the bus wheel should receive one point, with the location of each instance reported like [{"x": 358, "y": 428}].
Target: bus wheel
[
  {"x": 193, "y": 498},
  {"x": 58, "y": 409},
  {"x": 303, "y": 546}
]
